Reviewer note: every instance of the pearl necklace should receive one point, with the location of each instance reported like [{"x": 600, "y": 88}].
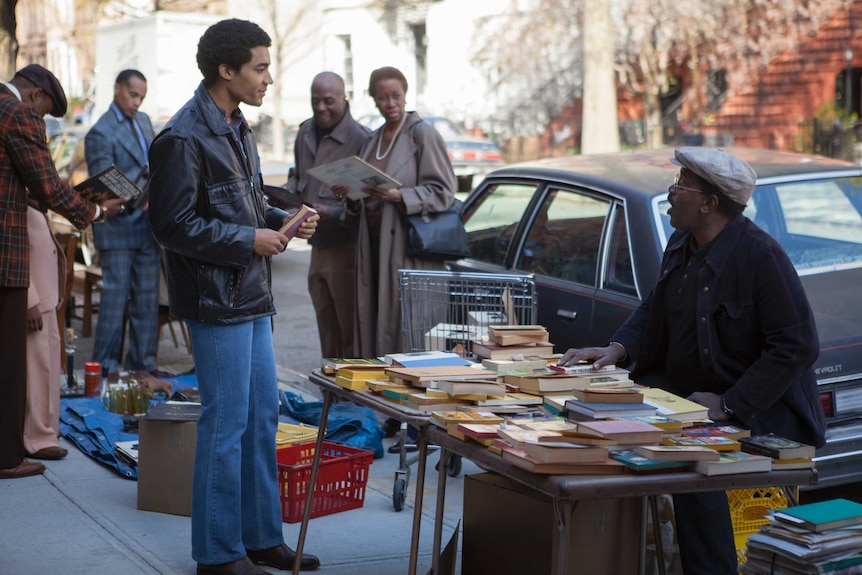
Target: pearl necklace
[{"x": 391, "y": 142}]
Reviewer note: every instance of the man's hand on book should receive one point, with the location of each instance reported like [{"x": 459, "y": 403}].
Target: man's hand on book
[
  {"x": 600, "y": 356},
  {"x": 269, "y": 242},
  {"x": 306, "y": 228}
]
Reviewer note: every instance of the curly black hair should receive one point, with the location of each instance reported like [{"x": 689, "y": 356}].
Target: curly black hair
[{"x": 228, "y": 42}]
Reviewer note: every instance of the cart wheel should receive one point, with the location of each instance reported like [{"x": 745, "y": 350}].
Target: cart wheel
[
  {"x": 399, "y": 494},
  {"x": 453, "y": 468}
]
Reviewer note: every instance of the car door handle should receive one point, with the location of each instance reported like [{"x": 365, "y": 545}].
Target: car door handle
[{"x": 566, "y": 314}]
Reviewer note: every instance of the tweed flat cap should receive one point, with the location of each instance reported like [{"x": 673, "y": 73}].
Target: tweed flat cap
[
  {"x": 49, "y": 84},
  {"x": 730, "y": 175}
]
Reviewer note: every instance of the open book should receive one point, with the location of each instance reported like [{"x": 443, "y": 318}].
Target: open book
[
  {"x": 109, "y": 183},
  {"x": 354, "y": 173}
]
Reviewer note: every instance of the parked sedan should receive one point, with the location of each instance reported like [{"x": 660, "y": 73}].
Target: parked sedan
[
  {"x": 592, "y": 229},
  {"x": 470, "y": 155}
]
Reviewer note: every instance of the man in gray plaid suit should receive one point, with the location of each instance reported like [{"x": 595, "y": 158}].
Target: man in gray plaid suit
[{"x": 128, "y": 254}]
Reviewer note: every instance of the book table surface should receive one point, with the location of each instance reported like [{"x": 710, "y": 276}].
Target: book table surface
[{"x": 565, "y": 490}]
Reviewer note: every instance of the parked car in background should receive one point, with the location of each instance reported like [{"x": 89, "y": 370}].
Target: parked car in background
[
  {"x": 592, "y": 229},
  {"x": 471, "y": 156}
]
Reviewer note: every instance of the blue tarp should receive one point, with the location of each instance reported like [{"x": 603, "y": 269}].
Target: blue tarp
[
  {"x": 85, "y": 422},
  {"x": 347, "y": 423}
]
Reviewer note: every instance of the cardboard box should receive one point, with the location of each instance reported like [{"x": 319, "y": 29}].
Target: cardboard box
[
  {"x": 485, "y": 318},
  {"x": 511, "y": 529},
  {"x": 452, "y": 336},
  {"x": 166, "y": 458}
]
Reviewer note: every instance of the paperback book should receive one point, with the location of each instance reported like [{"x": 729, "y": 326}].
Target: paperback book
[
  {"x": 734, "y": 462},
  {"x": 291, "y": 224},
  {"x": 776, "y": 447}
]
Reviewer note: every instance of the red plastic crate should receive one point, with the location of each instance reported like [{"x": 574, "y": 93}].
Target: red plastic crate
[{"x": 341, "y": 479}]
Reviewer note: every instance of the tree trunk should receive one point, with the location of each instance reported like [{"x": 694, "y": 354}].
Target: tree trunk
[
  {"x": 600, "y": 127},
  {"x": 8, "y": 42}
]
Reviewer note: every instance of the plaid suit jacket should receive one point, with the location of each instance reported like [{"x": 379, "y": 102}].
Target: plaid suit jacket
[{"x": 26, "y": 165}]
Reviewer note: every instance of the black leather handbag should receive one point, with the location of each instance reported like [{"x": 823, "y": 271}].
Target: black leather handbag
[{"x": 438, "y": 235}]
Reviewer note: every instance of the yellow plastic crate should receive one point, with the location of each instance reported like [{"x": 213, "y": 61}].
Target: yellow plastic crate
[
  {"x": 289, "y": 434},
  {"x": 749, "y": 510}
]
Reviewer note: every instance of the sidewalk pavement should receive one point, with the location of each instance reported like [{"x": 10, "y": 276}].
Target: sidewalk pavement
[{"x": 80, "y": 517}]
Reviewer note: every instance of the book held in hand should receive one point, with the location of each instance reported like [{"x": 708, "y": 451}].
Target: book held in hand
[
  {"x": 291, "y": 225},
  {"x": 355, "y": 173},
  {"x": 107, "y": 184}
]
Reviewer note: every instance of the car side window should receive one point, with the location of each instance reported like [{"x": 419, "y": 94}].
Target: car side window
[
  {"x": 564, "y": 238},
  {"x": 619, "y": 273},
  {"x": 491, "y": 223}
]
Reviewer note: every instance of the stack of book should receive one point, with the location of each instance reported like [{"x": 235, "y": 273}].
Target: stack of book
[
  {"x": 357, "y": 377},
  {"x": 785, "y": 453},
  {"x": 822, "y": 537},
  {"x": 550, "y": 381},
  {"x": 513, "y": 342},
  {"x": 671, "y": 405}
]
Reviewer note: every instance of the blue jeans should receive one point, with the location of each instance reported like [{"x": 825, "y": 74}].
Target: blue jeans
[{"x": 235, "y": 495}]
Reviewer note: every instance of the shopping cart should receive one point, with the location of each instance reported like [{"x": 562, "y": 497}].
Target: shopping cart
[{"x": 442, "y": 310}]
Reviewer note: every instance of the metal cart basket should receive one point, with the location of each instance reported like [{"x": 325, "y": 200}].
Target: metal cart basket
[{"x": 443, "y": 310}]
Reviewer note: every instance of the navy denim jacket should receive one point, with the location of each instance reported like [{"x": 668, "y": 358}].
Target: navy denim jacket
[{"x": 755, "y": 332}]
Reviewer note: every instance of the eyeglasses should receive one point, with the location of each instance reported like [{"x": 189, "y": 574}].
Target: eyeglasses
[{"x": 677, "y": 187}]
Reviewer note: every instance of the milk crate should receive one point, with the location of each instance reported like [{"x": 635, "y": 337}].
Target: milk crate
[
  {"x": 341, "y": 479},
  {"x": 749, "y": 510}
]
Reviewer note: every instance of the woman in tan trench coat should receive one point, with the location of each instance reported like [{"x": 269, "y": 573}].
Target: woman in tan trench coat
[{"x": 412, "y": 152}]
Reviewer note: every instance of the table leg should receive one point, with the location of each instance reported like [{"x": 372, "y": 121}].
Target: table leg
[
  {"x": 442, "y": 473},
  {"x": 312, "y": 481},
  {"x": 564, "y": 509},
  {"x": 420, "y": 491},
  {"x": 656, "y": 534}
]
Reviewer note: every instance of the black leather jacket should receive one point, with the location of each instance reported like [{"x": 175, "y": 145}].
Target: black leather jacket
[{"x": 206, "y": 200}]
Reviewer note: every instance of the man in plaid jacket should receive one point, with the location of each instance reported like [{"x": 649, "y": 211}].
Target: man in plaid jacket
[{"x": 26, "y": 169}]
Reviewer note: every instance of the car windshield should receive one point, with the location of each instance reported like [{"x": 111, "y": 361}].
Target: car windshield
[{"x": 817, "y": 221}]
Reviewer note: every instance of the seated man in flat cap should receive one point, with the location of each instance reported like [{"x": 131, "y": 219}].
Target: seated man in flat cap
[{"x": 728, "y": 326}]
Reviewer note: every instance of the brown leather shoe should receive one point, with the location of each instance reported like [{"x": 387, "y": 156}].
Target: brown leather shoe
[
  {"x": 23, "y": 469},
  {"x": 282, "y": 557},
  {"x": 52, "y": 452},
  {"x": 242, "y": 566}
]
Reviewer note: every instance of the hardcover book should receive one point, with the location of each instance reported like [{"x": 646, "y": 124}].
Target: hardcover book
[
  {"x": 424, "y": 375},
  {"x": 292, "y": 223},
  {"x": 608, "y": 395},
  {"x": 823, "y": 515},
  {"x": 674, "y": 406},
  {"x": 621, "y": 431},
  {"x": 565, "y": 452},
  {"x": 109, "y": 183},
  {"x": 716, "y": 443},
  {"x": 677, "y": 453},
  {"x": 355, "y": 173},
  {"x": 729, "y": 431},
  {"x": 631, "y": 459},
  {"x": 457, "y": 388},
  {"x": 776, "y": 447},
  {"x": 518, "y": 458},
  {"x": 592, "y": 410},
  {"x": 734, "y": 462},
  {"x": 488, "y": 350},
  {"x": 426, "y": 359},
  {"x": 332, "y": 364},
  {"x": 448, "y": 417}
]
